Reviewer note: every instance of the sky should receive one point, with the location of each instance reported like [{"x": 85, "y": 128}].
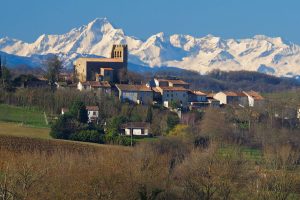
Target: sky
[{"x": 28, "y": 19}]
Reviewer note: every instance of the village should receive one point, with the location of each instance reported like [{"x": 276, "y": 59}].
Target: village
[{"x": 108, "y": 76}]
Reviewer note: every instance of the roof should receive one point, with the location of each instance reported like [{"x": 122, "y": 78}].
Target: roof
[
  {"x": 173, "y": 88},
  {"x": 198, "y": 93},
  {"x": 126, "y": 87},
  {"x": 254, "y": 95},
  {"x": 234, "y": 94},
  {"x": 92, "y": 108},
  {"x": 135, "y": 125},
  {"x": 155, "y": 89},
  {"x": 178, "y": 82},
  {"x": 100, "y": 59}
]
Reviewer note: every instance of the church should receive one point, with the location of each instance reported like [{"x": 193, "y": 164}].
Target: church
[{"x": 112, "y": 69}]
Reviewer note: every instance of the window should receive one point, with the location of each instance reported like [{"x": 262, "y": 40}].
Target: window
[
  {"x": 94, "y": 113},
  {"x": 167, "y": 95}
]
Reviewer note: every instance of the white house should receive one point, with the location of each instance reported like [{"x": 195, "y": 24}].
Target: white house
[
  {"x": 254, "y": 98},
  {"x": 93, "y": 114},
  {"x": 298, "y": 113},
  {"x": 136, "y": 128}
]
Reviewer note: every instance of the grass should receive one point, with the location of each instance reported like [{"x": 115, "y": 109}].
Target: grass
[
  {"x": 19, "y": 130},
  {"x": 27, "y": 116}
]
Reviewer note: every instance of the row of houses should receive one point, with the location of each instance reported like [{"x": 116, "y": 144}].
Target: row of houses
[{"x": 170, "y": 91}]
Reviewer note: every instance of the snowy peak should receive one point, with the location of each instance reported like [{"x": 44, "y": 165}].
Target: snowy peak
[{"x": 202, "y": 54}]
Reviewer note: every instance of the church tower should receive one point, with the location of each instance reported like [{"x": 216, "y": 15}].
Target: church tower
[{"x": 120, "y": 51}]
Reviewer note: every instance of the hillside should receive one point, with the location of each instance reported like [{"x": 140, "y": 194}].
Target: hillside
[{"x": 202, "y": 54}]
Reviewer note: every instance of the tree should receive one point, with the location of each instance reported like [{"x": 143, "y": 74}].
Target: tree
[
  {"x": 172, "y": 121},
  {"x": 64, "y": 127},
  {"x": 149, "y": 115},
  {"x": 53, "y": 69},
  {"x": 78, "y": 111}
]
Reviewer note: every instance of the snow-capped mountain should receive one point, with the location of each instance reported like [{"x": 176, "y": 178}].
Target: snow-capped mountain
[{"x": 260, "y": 53}]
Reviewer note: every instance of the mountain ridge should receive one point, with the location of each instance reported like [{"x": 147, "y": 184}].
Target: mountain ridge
[{"x": 202, "y": 54}]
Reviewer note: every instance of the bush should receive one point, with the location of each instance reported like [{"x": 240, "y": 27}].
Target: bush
[{"x": 87, "y": 136}]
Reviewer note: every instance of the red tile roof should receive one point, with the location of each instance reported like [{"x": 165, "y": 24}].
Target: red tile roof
[{"x": 172, "y": 88}]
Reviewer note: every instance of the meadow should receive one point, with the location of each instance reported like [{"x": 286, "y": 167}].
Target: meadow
[{"x": 25, "y": 116}]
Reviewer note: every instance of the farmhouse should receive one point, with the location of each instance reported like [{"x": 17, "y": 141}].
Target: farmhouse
[
  {"x": 88, "y": 69},
  {"x": 136, "y": 128}
]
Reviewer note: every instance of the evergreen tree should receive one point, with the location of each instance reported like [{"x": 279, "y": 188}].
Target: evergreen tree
[
  {"x": 78, "y": 111},
  {"x": 149, "y": 115}
]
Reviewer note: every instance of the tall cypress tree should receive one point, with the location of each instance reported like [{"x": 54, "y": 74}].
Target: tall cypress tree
[{"x": 149, "y": 115}]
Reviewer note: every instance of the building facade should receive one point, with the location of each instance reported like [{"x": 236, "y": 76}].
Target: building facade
[{"x": 140, "y": 94}]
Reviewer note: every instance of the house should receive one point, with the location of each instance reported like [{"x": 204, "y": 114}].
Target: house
[
  {"x": 87, "y": 68},
  {"x": 136, "y": 129},
  {"x": 254, "y": 98},
  {"x": 140, "y": 94},
  {"x": 96, "y": 86},
  {"x": 233, "y": 98},
  {"x": 177, "y": 94},
  {"x": 93, "y": 114},
  {"x": 298, "y": 113}
]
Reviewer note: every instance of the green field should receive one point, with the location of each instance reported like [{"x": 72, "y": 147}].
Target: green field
[{"x": 22, "y": 115}]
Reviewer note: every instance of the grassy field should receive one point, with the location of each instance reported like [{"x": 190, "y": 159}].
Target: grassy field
[
  {"x": 25, "y": 116},
  {"x": 14, "y": 129}
]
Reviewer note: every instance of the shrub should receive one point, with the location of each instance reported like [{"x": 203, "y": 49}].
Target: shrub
[{"x": 87, "y": 136}]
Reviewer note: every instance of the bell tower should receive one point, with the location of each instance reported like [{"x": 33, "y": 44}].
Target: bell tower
[{"x": 120, "y": 51}]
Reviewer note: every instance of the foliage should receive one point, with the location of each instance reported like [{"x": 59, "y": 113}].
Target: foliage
[
  {"x": 149, "y": 115},
  {"x": 113, "y": 125},
  {"x": 87, "y": 136},
  {"x": 64, "y": 127},
  {"x": 174, "y": 104},
  {"x": 78, "y": 111},
  {"x": 172, "y": 121}
]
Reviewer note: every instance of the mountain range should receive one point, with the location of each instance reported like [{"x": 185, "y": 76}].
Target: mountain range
[{"x": 202, "y": 54}]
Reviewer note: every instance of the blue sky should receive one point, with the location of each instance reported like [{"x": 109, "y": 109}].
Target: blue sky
[{"x": 27, "y": 19}]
